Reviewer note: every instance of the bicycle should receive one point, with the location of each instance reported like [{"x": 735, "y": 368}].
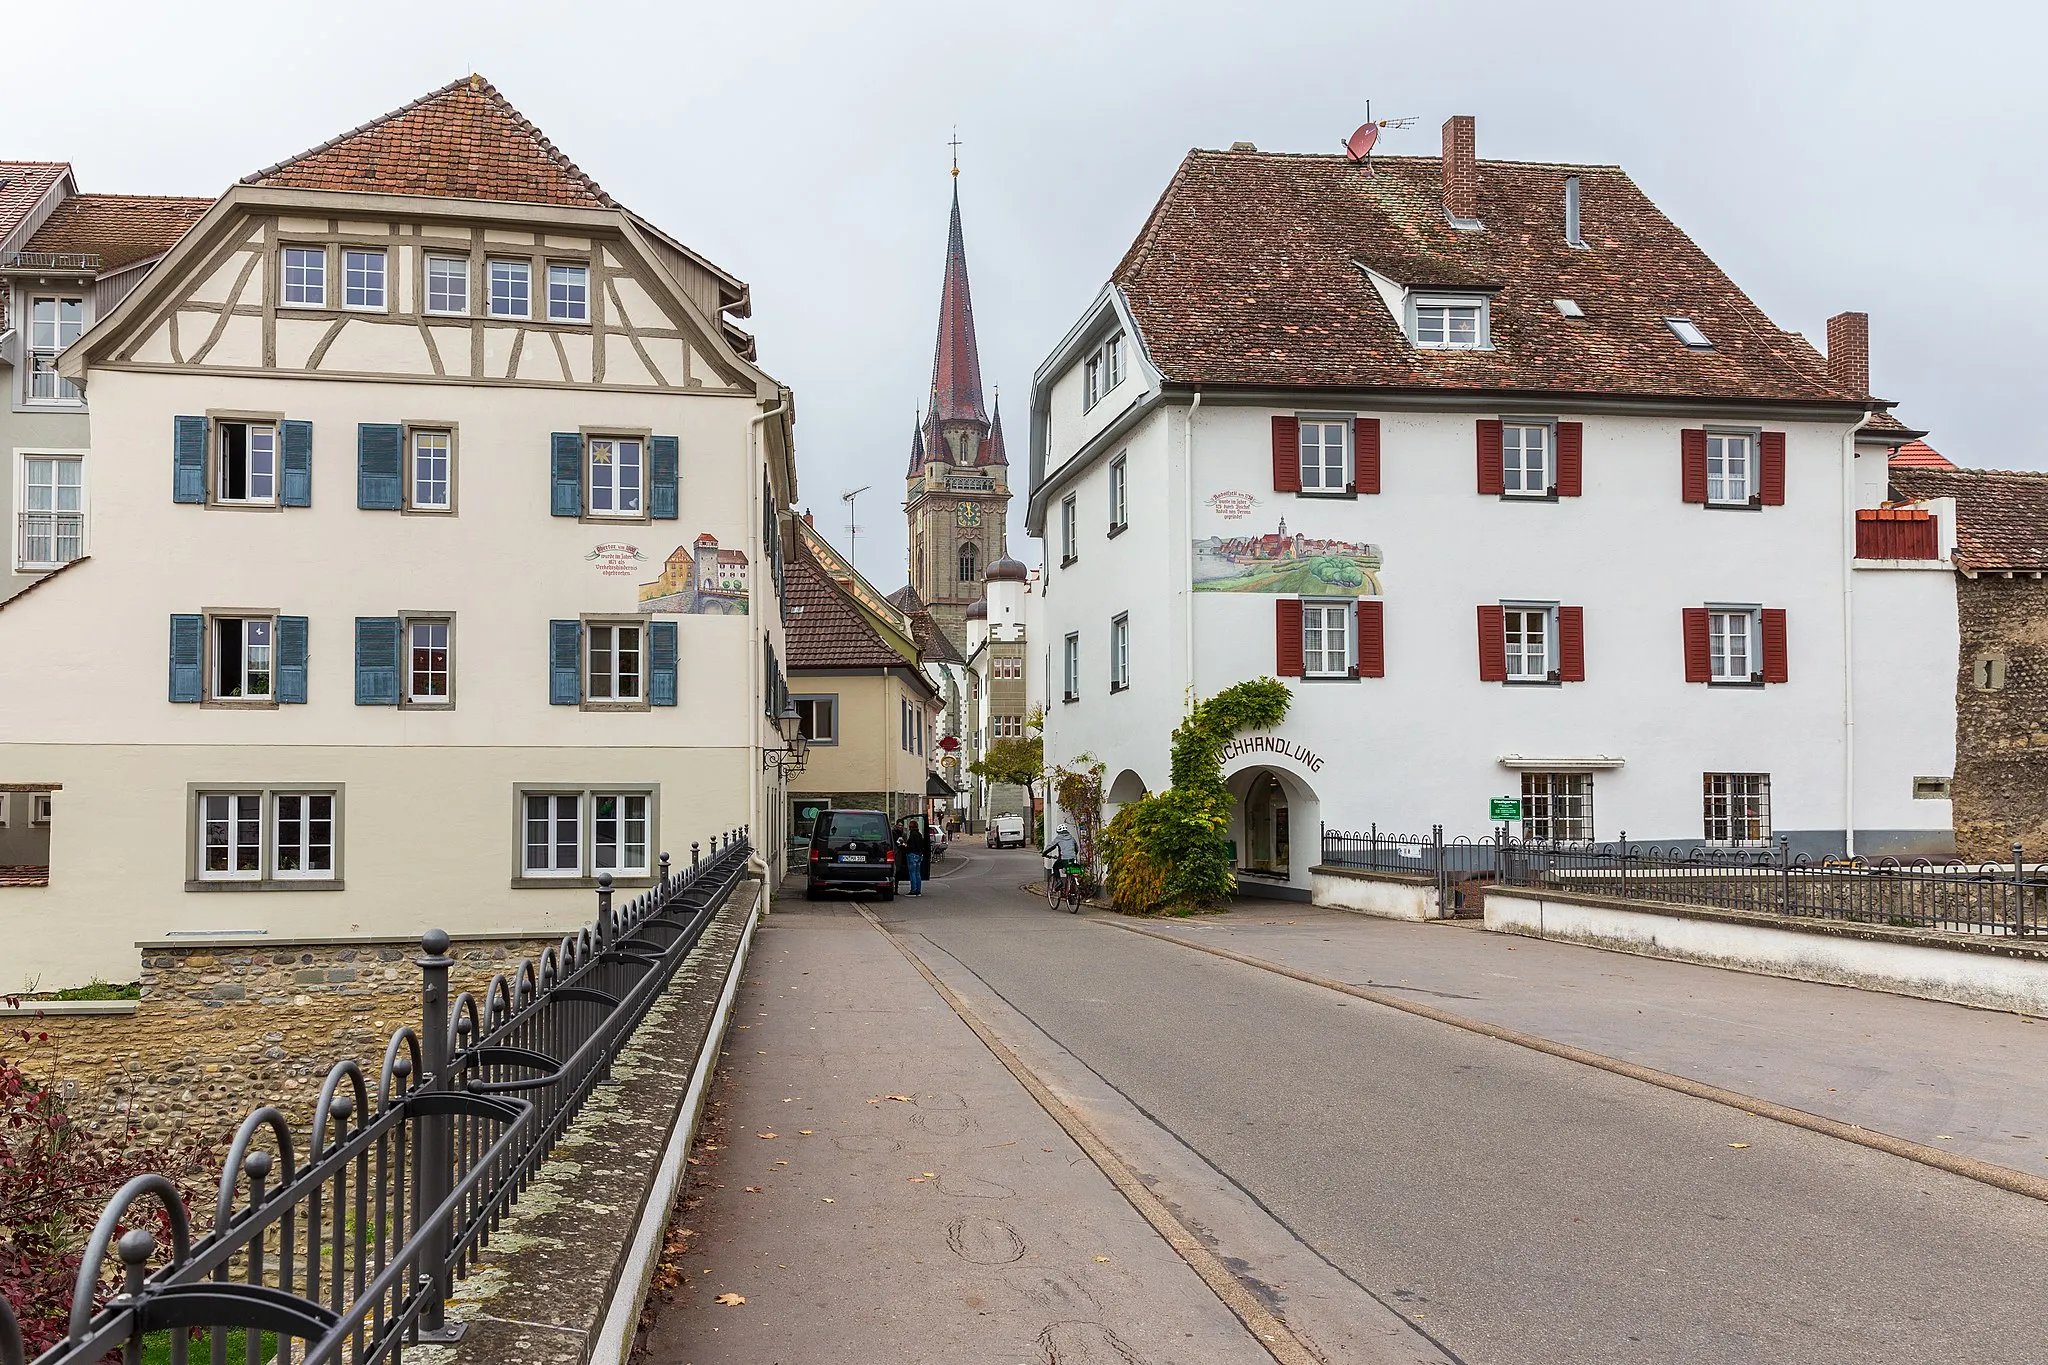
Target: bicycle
[{"x": 1064, "y": 888}]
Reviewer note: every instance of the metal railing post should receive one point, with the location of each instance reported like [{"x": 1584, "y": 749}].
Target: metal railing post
[
  {"x": 436, "y": 1151},
  {"x": 1785, "y": 876},
  {"x": 2019, "y": 890},
  {"x": 664, "y": 877},
  {"x": 693, "y": 857},
  {"x": 135, "y": 1248},
  {"x": 1624, "y": 864}
]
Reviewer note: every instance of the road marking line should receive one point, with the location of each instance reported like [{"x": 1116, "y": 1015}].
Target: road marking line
[
  {"x": 1266, "y": 1328},
  {"x": 1970, "y": 1168}
]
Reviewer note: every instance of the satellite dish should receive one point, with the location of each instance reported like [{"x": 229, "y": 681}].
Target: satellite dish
[{"x": 1359, "y": 144}]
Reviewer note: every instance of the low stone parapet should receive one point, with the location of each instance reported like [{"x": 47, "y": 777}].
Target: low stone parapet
[{"x": 1389, "y": 895}]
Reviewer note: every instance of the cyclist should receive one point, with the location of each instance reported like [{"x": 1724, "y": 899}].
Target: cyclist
[{"x": 1062, "y": 858}]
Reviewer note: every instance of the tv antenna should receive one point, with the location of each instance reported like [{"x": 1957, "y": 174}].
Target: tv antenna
[
  {"x": 852, "y": 531},
  {"x": 1360, "y": 144}
]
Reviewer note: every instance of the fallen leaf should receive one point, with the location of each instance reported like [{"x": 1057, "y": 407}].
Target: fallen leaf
[
  {"x": 764, "y": 1135},
  {"x": 905, "y": 1098},
  {"x": 1102, "y": 1258},
  {"x": 1738, "y": 1144},
  {"x": 1943, "y": 1137},
  {"x": 693, "y": 1161},
  {"x": 731, "y": 1300},
  {"x": 828, "y": 1201},
  {"x": 931, "y": 1175},
  {"x": 753, "y": 1189},
  {"x": 782, "y": 1163},
  {"x": 915, "y": 1179},
  {"x": 805, "y": 1131}
]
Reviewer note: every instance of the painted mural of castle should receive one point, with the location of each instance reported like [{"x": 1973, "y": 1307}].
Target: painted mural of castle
[
  {"x": 1287, "y": 562},
  {"x": 699, "y": 579}
]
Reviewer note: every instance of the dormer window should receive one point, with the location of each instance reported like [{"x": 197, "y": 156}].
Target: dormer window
[
  {"x": 1686, "y": 331},
  {"x": 1103, "y": 371},
  {"x": 1451, "y": 324}
]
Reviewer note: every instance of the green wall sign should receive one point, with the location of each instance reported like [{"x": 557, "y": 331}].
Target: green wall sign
[{"x": 1504, "y": 808}]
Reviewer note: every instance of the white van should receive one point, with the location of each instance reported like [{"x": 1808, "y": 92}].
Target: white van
[{"x": 1006, "y": 831}]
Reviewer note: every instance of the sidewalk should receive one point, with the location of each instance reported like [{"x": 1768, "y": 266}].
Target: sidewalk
[{"x": 885, "y": 1190}]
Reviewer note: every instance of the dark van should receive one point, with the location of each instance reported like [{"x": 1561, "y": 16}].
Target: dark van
[{"x": 852, "y": 850}]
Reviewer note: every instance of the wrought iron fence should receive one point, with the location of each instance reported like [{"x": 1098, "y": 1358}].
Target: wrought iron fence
[
  {"x": 1957, "y": 897},
  {"x": 348, "y": 1250}
]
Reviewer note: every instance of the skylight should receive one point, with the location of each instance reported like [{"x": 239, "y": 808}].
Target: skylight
[
  {"x": 1570, "y": 308},
  {"x": 1687, "y": 332}
]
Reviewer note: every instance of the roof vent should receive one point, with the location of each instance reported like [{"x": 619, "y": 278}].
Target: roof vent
[
  {"x": 1244, "y": 146},
  {"x": 1689, "y": 333},
  {"x": 1569, "y": 307}
]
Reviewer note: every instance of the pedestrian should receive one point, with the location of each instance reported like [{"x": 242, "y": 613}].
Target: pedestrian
[{"x": 918, "y": 847}]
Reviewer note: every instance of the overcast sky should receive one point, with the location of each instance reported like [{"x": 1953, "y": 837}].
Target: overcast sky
[{"x": 1883, "y": 156}]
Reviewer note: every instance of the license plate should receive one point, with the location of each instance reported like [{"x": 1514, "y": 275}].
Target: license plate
[{"x": 853, "y": 857}]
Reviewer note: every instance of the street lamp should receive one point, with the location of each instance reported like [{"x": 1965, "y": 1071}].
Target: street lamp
[{"x": 796, "y": 746}]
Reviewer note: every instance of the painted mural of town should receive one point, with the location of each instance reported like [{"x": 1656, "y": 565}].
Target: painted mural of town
[
  {"x": 1286, "y": 562},
  {"x": 699, "y": 579}
]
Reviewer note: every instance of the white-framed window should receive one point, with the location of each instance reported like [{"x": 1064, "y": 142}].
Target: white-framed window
[
  {"x": 244, "y": 657},
  {"x": 1326, "y": 639},
  {"x": 448, "y": 285},
  {"x": 1687, "y": 331},
  {"x": 1732, "y": 645},
  {"x": 51, "y": 530},
  {"x": 1006, "y": 666},
  {"x": 1325, "y": 454},
  {"x": 1528, "y": 633},
  {"x": 568, "y": 293},
  {"x": 1069, "y": 528},
  {"x": 431, "y": 483},
  {"x": 429, "y": 660},
  {"x": 1451, "y": 324},
  {"x": 1557, "y": 807},
  {"x": 1119, "y": 652},
  {"x": 1102, "y": 372},
  {"x": 1071, "y": 671},
  {"x": 305, "y": 276},
  {"x": 617, "y": 476},
  {"x": 817, "y": 718},
  {"x": 302, "y": 843},
  {"x": 1527, "y": 469},
  {"x": 1731, "y": 467},
  {"x": 511, "y": 289},
  {"x": 615, "y": 661},
  {"x": 1737, "y": 808},
  {"x": 362, "y": 279},
  {"x": 40, "y": 815},
  {"x": 1119, "y": 493},
  {"x": 618, "y": 833},
  {"x": 245, "y": 462},
  {"x": 1006, "y": 727},
  {"x": 230, "y": 836},
  {"x": 553, "y": 834},
  {"x": 53, "y": 324}
]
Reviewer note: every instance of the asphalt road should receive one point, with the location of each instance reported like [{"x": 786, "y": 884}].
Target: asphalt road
[{"x": 1517, "y": 1207}]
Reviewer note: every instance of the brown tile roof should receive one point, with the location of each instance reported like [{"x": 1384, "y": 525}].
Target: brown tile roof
[
  {"x": 1882, "y": 420},
  {"x": 120, "y": 229},
  {"x": 463, "y": 141},
  {"x": 22, "y": 186},
  {"x": 1248, "y": 273},
  {"x": 2001, "y": 514},
  {"x": 1919, "y": 455},
  {"x": 825, "y": 627},
  {"x": 932, "y": 645},
  {"x": 24, "y": 876}
]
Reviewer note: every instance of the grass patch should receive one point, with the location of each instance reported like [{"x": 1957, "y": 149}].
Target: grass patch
[{"x": 156, "y": 1348}]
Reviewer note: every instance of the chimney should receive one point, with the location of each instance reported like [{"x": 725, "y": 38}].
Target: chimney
[
  {"x": 807, "y": 518},
  {"x": 1461, "y": 169},
  {"x": 1849, "y": 352}
]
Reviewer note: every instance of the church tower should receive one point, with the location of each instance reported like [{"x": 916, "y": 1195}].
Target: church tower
[{"x": 957, "y": 493}]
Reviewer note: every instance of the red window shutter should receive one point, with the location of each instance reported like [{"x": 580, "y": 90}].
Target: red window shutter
[
  {"x": 1571, "y": 450},
  {"x": 1692, "y": 448},
  {"x": 1491, "y": 479},
  {"x": 1287, "y": 637},
  {"x": 1493, "y": 645},
  {"x": 1571, "y": 644},
  {"x": 1365, "y": 449},
  {"x": 1770, "y": 473},
  {"x": 1777, "y": 668},
  {"x": 1699, "y": 656},
  {"x": 1372, "y": 638},
  {"x": 1287, "y": 455}
]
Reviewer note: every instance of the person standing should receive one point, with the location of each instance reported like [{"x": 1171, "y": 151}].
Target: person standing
[{"x": 917, "y": 846}]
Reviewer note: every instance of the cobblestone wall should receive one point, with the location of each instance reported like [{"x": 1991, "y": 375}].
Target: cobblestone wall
[{"x": 2001, "y": 779}]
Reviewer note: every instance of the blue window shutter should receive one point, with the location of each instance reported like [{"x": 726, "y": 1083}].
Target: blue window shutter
[
  {"x": 188, "y": 654},
  {"x": 565, "y": 672},
  {"x": 661, "y": 663},
  {"x": 297, "y": 440},
  {"x": 291, "y": 660},
  {"x": 378, "y": 646},
  {"x": 380, "y": 459},
  {"x": 566, "y": 474},
  {"x": 188, "y": 462},
  {"x": 664, "y": 473}
]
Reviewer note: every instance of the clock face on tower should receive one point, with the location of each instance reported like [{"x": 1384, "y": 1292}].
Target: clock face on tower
[{"x": 969, "y": 515}]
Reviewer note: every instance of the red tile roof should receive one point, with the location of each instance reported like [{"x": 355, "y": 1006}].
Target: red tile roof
[
  {"x": 825, "y": 627},
  {"x": 2001, "y": 514},
  {"x": 463, "y": 141},
  {"x": 120, "y": 229},
  {"x": 24, "y": 876},
  {"x": 1248, "y": 273},
  {"x": 22, "y": 186},
  {"x": 1919, "y": 455}
]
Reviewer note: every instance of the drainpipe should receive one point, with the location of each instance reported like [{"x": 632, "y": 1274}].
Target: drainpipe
[
  {"x": 1187, "y": 582},
  {"x": 756, "y": 794},
  {"x": 1849, "y": 636}
]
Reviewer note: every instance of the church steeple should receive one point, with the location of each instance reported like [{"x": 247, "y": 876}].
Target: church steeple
[{"x": 956, "y": 362}]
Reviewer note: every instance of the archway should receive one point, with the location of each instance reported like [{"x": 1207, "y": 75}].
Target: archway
[
  {"x": 1275, "y": 829},
  {"x": 1127, "y": 788}
]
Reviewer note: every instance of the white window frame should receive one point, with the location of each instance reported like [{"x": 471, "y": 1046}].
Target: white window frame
[
  {"x": 373, "y": 298},
  {"x": 1103, "y": 372},
  {"x": 1736, "y": 801},
  {"x": 1721, "y": 635},
  {"x": 1069, "y": 529},
  {"x": 312, "y": 291},
  {"x": 415, "y": 439},
  {"x": 461, "y": 274},
  {"x": 515, "y": 268},
  {"x": 611, "y": 855},
  {"x": 1515, "y": 463},
  {"x": 1321, "y": 424},
  {"x": 1515, "y": 635},
  {"x": 44, "y": 348},
  {"x": 270, "y": 432},
  {"x": 235, "y": 844},
  {"x": 410, "y": 644},
  {"x": 1119, "y": 651},
  {"x": 1722, "y": 446},
  {"x": 1448, "y": 304},
  {"x": 1070, "y": 671},
  {"x": 215, "y": 690},
  {"x": 571, "y": 309},
  {"x": 23, "y": 563},
  {"x": 39, "y": 808},
  {"x": 306, "y": 822},
  {"x": 1690, "y": 334},
  {"x": 1541, "y": 822},
  {"x": 1119, "y": 493},
  {"x": 614, "y": 677},
  {"x": 1321, "y": 619},
  {"x": 810, "y": 707},
  {"x": 614, "y": 487},
  {"x": 551, "y": 819}
]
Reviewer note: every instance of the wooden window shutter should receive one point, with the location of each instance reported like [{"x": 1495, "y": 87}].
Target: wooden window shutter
[
  {"x": 1491, "y": 480},
  {"x": 565, "y": 474},
  {"x": 295, "y": 459},
  {"x": 565, "y": 660},
  {"x": 1699, "y": 658},
  {"x": 188, "y": 655},
  {"x": 661, "y": 663},
  {"x": 379, "y": 660},
  {"x": 292, "y": 632},
  {"x": 664, "y": 477},
  {"x": 188, "y": 461},
  {"x": 1493, "y": 645},
  {"x": 380, "y": 466},
  {"x": 1692, "y": 465},
  {"x": 1770, "y": 472},
  {"x": 1571, "y": 459},
  {"x": 1777, "y": 667},
  {"x": 1372, "y": 638},
  {"x": 1287, "y": 455},
  {"x": 1287, "y": 660},
  {"x": 1365, "y": 463},
  {"x": 1571, "y": 644}
]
